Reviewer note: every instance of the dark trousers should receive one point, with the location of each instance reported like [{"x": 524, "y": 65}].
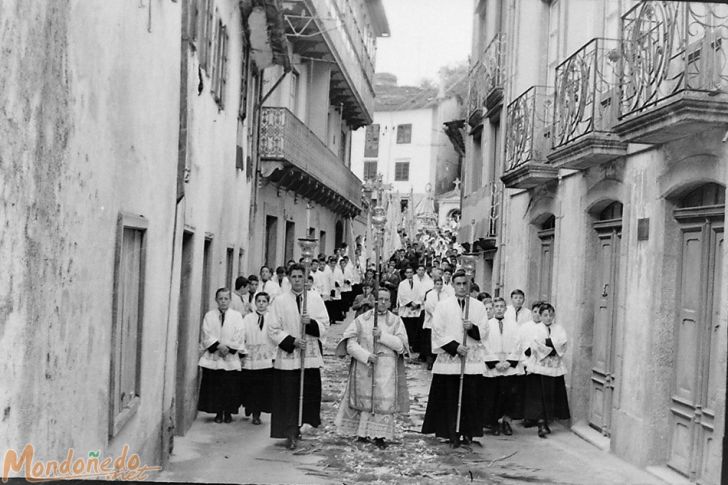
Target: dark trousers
[
  {"x": 414, "y": 328},
  {"x": 284, "y": 409}
]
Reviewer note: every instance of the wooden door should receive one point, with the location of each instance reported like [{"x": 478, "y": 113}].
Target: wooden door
[
  {"x": 182, "y": 394},
  {"x": 694, "y": 398},
  {"x": 609, "y": 234},
  {"x": 546, "y": 258}
]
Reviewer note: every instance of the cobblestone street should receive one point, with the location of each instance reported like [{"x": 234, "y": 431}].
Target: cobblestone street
[{"x": 241, "y": 452}]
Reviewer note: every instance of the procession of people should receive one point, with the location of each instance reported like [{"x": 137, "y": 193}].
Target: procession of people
[{"x": 492, "y": 362}]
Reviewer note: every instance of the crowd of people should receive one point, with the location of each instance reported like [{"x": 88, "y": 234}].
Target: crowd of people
[{"x": 491, "y": 362}]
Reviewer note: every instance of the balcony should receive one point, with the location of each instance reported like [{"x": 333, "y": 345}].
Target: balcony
[
  {"x": 294, "y": 158},
  {"x": 586, "y": 107},
  {"x": 675, "y": 70},
  {"x": 320, "y": 29},
  {"x": 528, "y": 139},
  {"x": 485, "y": 81}
]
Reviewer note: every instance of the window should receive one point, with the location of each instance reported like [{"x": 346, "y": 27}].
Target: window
[
  {"x": 219, "y": 67},
  {"x": 243, "y": 108},
  {"x": 370, "y": 170},
  {"x": 127, "y": 321},
  {"x": 371, "y": 143},
  {"x": 404, "y": 133},
  {"x": 293, "y": 95},
  {"x": 206, "y": 33},
  {"x": 401, "y": 171}
]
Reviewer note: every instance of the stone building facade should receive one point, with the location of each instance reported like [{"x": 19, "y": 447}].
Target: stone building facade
[{"x": 603, "y": 125}]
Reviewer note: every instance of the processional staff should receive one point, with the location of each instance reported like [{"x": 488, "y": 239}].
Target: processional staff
[
  {"x": 308, "y": 247},
  {"x": 379, "y": 219},
  {"x": 467, "y": 261}
]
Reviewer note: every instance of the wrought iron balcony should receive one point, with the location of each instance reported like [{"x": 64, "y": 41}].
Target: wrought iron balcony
[
  {"x": 528, "y": 139},
  {"x": 294, "y": 158},
  {"x": 586, "y": 106},
  {"x": 674, "y": 77},
  {"x": 485, "y": 81}
]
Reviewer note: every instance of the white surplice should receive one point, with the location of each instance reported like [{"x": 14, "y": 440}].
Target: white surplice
[
  {"x": 409, "y": 294},
  {"x": 229, "y": 334},
  {"x": 270, "y": 287},
  {"x": 501, "y": 347},
  {"x": 523, "y": 315},
  {"x": 285, "y": 320},
  {"x": 544, "y": 363},
  {"x": 447, "y": 325},
  {"x": 259, "y": 350},
  {"x": 432, "y": 298}
]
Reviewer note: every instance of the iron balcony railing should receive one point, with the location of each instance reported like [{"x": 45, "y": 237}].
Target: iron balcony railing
[
  {"x": 671, "y": 48},
  {"x": 496, "y": 189},
  {"x": 486, "y": 75},
  {"x": 493, "y": 61},
  {"x": 529, "y": 119},
  {"x": 587, "y": 92},
  {"x": 283, "y": 137}
]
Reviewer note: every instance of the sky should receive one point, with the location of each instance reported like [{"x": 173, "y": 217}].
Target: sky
[{"x": 426, "y": 35}]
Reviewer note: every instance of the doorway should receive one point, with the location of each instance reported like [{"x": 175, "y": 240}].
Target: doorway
[
  {"x": 693, "y": 401},
  {"x": 271, "y": 239},
  {"x": 608, "y": 231},
  {"x": 546, "y": 257},
  {"x": 183, "y": 334}
]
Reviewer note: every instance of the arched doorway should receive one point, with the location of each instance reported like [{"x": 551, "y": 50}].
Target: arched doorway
[
  {"x": 693, "y": 400},
  {"x": 607, "y": 227}
]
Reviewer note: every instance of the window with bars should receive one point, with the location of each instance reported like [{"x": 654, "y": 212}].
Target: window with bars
[
  {"x": 219, "y": 67},
  {"x": 401, "y": 171},
  {"x": 370, "y": 169},
  {"x": 404, "y": 133},
  {"x": 127, "y": 321}
]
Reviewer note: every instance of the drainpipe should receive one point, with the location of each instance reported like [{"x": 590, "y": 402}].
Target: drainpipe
[
  {"x": 257, "y": 114},
  {"x": 166, "y": 448}
]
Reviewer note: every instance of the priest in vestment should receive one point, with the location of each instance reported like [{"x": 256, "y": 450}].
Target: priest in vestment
[
  {"x": 448, "y": 328},
  {"x": 285, "y": 319},
  {"x": 358, "y": 415}
]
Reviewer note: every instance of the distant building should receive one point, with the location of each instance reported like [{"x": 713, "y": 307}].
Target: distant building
[
  {"x": 307, "y": 120},
  {"x": 407, "y": 143}
]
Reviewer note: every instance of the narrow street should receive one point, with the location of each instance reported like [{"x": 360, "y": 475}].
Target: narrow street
[{"x": 243, "y": 453}]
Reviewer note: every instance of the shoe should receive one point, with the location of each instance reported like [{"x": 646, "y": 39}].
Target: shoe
[
  {"x": 495, "y": 430},
  {"x": 218, "y": 418},
  {"x": 256, "y": 420},
  {"x": 548, "y": 430},
  {"x": 379, "y": 443},
  {"x": 541, "y": 430},
  {"x": 429, "y": 366},
  {"x": 528, "y": 423},
  {"x": 507, "y": 430},
  {"x": 228, "y": 418},
  {"x": 291, "y": 443},
  {"x": 467, "y": 440}
]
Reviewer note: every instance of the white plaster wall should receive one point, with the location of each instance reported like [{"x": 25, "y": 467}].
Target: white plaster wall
[
  {"x": 419, "y": 152},
  {"x": 87, "y": 133},
  {"x": 217, "y": 196}
]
